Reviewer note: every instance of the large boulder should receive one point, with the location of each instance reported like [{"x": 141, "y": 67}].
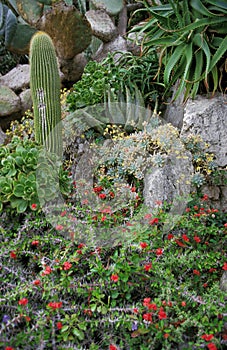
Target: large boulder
[
  {"x": 9, "y": 101},
  {"x": 170, "y": 183},
  {"x": 26, "y": 100},
  {"x": 117, "y": 44},
  {"x": 17, "y": 79},
  {"x": 101, "y": 24},
  {"x": 208, "y": 118}
]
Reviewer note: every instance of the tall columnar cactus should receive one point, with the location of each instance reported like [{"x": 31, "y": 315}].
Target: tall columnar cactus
[{"x": 45, "y": 89}]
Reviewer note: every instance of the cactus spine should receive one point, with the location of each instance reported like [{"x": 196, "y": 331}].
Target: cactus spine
[{"x": 45, "y": 89}]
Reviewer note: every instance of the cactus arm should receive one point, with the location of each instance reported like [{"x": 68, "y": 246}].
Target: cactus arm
[{"x": 45, "y": 88}]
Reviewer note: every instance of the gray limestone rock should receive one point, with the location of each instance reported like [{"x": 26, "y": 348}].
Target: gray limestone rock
[
  {"x": 17, "y": 79},
  {"x": 26, "y": 100},
  {"x": 118, "y": 44},
  {"x": 9, "y": 101},
  {"x": 170, "y": 183},
  {"x": 208, "y": 118},
  {"x": 101, "y": 24}
]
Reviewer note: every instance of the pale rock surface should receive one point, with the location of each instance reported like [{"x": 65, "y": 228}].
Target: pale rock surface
[
  {"x": 208, "y": 118},
  {"x": 17, "y": 79},
  {"x": 101, "y": 24},
  {"x": 9, "y": 101},
  {"x": 26, "y": 100}
]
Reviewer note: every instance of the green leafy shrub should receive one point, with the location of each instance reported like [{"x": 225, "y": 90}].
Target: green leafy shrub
[
  {"x": 190, "y": 37},
  {"x": 128, "y": 72}
]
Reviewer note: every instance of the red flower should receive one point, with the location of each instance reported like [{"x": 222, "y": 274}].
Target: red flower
[
  {"x": 148, "y": 266},
  {"x": 179, "y": 243},
  {"x": 114, "y": 278},
  {"x": 196, "y": 272},
  {"x": 185, "y": 238},
  {"x": 146, "y": 301},
  {"x": 147, "y": 317},
  {"x": 154, "y": 221},
  {"x": 159, "y": 251},
  {"x": 152, "y": 306},
  {"x": 59, "y": 325},
  {"x": 166, "y": 335},
  {"x": 187, "y": 210},
  {"x": 13, "y": 255},
  {"x": 207, "y": 337},
  {"x": 63, "y": 213},
  {"x": 161, "y": 314},
  {"x": 47, "y": 271},
  {"x": 23, "y": 301},
  {"x": 35, "y": 243},
  {"x": 59, "y": 227},
  {"x": 67, "y": 265},
  {"x": 205, "y": 285},
  {"x": 55, "y": 305},
  {"x": 81, "y": 245},
  {"x": 34, "y": 206},
  {"x": 197, "y": 239},
  {"x": 195, "y": 207},
  {"x": 135, "y": 310},
  {"x": 9, "y": 348},
  {"x": 211, "y": 346},
  {"x": 170, "y": 236},
  {"x": 102, "y": 195},
  {"x": 205, "y": 197},
  {"x": 143, "y": 245},
  {"x": 97, "y": 189},
  {"x": 183, "y": 303},
  {"x": 36, "y": 283},
  {"x": 112, "y": 195},
  {"x": 133, "y": 189},
  {"x": 112, "y": 347},
  {"x": 103, "y": 218},
  {"x": 225, "y": 225},
  {"x": 212, "y": 269},
  {"x": 224, "y": 267},
  {"x": 148, "y": 216}
]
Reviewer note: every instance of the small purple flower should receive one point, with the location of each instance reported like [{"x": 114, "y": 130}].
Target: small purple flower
[
  {"x": 5, "y": 319},
  {"x": 134, "y": 326}
]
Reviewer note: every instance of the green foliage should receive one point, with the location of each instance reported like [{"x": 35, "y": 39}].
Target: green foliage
[
  {"x": 45, "y": 89},
  {"x": 154, "y": 291},
  {"x": 18, "y": 165},
  {"x": 191, "y": 40},
  {"x": 130, "y": 71}
]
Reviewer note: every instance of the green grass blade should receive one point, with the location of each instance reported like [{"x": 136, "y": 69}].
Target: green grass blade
[
  {"x": 198, "y": 6},
  {"x": 197, "y": 73},
  {"x": 201, "y": 42}
]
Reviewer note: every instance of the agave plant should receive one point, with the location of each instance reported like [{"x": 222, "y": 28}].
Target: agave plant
[{"x": 191, "y": 39}]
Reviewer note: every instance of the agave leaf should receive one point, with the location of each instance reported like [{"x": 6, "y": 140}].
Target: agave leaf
[
  {"x": 197, "y": 72},
  {"x": 200, "y": 23},
  {"x": 200, "y": 41},
  {"x": 1, "y": 15},
  {"x": 116, "y": 115},
  {"x": 220, "y": 3},
  {"x": 188, "y": 55},
  {"x": 165, "y": 21},
  {"x": 198, "y": 6},
  {"x": 10, "y": 27},
  {"x": 214, "y": 73},
  {"x": 139, "y": 108},
  {"x": 171, "y": 40},
  {"x": 175, "y": 7},
  {"x": 176, "y": 55},
  {"x": 219, "y": 53}
]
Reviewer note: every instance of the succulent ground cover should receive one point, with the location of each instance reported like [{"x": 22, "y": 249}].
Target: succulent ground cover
[{"x": 157, "y": 289}]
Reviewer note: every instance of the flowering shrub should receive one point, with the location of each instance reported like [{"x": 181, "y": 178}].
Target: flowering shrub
[{"x": 155, "y": 291}]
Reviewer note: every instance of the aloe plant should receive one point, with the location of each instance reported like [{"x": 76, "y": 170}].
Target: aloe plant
[
  {"x": 190, "y": 37},
  {"x": 45, "y": 88}
]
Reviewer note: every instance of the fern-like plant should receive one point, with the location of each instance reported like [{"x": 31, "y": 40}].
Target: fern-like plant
[{"x": 191, "y": 39}]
